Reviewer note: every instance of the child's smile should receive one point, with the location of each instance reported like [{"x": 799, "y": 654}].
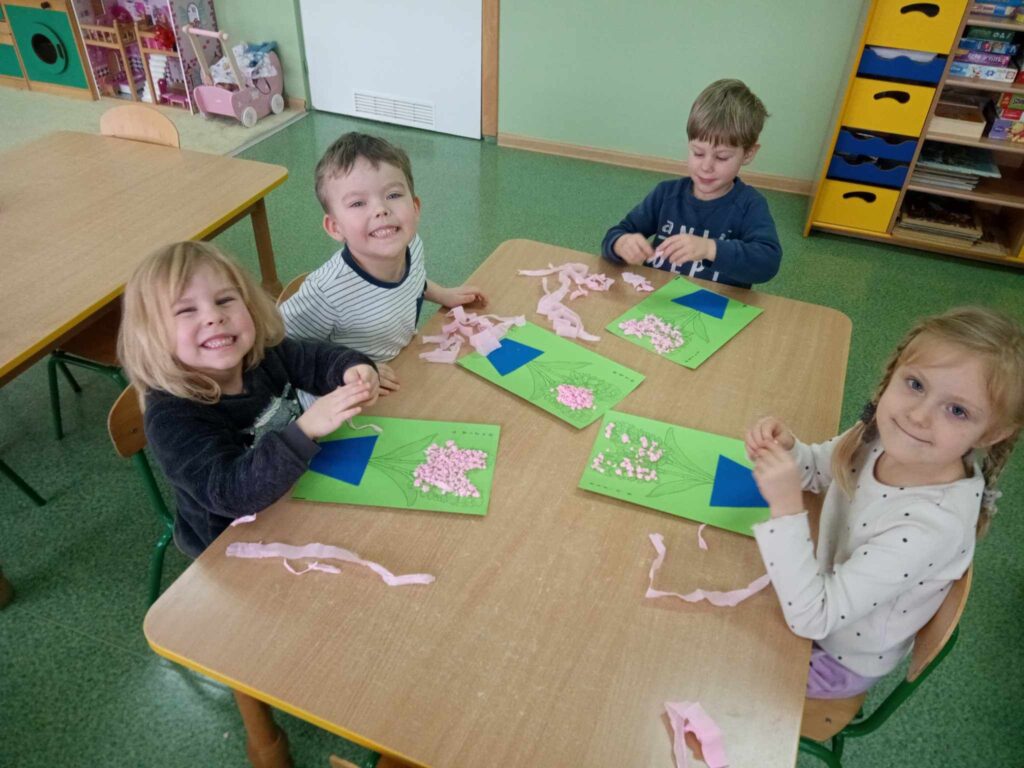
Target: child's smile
[
  {"x": 375, "y": 214},
  {"x": 935, "y": 410},
  {"x": 213, "y": 329}
]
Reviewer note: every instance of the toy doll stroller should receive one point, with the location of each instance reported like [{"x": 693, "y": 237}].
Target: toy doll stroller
[{"x": 241, "y": 93}]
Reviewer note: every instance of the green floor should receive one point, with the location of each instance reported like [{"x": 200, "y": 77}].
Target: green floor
[{"x": 78, "y": 684}]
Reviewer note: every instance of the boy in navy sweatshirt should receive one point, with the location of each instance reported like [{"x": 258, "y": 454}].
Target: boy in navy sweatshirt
[{"x": 709, "y": 225}]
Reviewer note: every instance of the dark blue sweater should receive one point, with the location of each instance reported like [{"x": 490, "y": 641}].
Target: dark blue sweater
[
  {"x": 241, "y": 454},
  {"x": 748, "y": 249}
]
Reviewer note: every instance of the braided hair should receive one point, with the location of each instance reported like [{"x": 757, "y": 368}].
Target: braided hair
[{"x": 999, "y": 341}]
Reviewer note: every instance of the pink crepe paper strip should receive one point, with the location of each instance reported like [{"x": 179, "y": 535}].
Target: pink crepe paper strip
[
  {"x": 314, "y": 566},
  {"x": 690, "y": 717},
  {"x": 243, "y": 520},
  {"x": 376, "y": 428},
  {"x": 563, "y": 320},
  {"x": 639, "y": 282},
  {"x": 719, "y": 599},
  {"x": 316, "y": 552},
  {"x": 700, "y": 538},
  {"x": 484, "y": 333}
]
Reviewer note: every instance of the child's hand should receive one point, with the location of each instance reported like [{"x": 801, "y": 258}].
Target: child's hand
[
  {"x": 388, "y": 379},
  {"x": 681, "y": 248},
  {"x": 633, "y": 249},
  {"x": 778, "y": 479},
  {"x": 333, "y": 409},
  {"x": 458, "y": 297},
  {"x": 364, "y": 374},
  {"x": 765, "y": 432}
]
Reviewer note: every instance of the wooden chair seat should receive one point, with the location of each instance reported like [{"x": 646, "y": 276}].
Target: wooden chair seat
[
  {"x": 824, "y": 718},
  {"x": 293, "y": 286},
  {"x": 140, "y": 122},
  {"x": 831, "y": 720}
]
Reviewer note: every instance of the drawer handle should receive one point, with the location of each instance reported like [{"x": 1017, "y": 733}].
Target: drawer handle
[
  {"x": 901, "y": 96},
  {"x": 867, "y": 197},
  {"x": 931, "y": 10}
]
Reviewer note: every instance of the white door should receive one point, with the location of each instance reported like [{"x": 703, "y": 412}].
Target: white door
[{"x": 411, "y": 62}]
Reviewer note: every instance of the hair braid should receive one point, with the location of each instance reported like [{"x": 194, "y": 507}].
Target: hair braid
[
  {"x": 865, "y": 430},
  {"x": 991, "y": 467}
]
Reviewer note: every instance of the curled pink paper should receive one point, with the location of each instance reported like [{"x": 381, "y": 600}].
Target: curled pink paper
[
  {"x": 551, "y": 305},
  {"x": 700, "y": 537},
  {"x": 639, "y": 282},
  {"x": 243, "y": 520},
  {"x": 690, "y": 717},
  {"x": 484, "y": 333},
  {"x": 719, "y": 599},
  {"x": 314, "y": 566},
  {"x": 316, "y": 552}
]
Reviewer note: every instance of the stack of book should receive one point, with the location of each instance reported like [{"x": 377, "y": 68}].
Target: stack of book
[
  {"x": 951, "y": 166},
  {"x": 961, "y": 113},
  {"x": 988, "y": 54},
  {"x": 941, "y": 217},
  {"x": 1005, "y": 9},
  {"x": 1006, "y": 118}
]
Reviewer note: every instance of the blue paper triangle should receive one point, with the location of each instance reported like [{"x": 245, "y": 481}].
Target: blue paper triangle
[
  {"x": 512, "y": 355},
  {"x": 704, "y": 301},
  {"x": 734, "y": 486},
  {"x": 344, "y": 459}
]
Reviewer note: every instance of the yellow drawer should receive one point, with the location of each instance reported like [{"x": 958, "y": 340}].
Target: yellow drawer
[
  {"x": 859, "y": 206},
  {"x": 928, "y": 26},
  {"x": 881, "y": 105}
]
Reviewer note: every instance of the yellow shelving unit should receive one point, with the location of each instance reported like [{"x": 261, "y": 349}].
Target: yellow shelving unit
[{"x": 884, "y": 111}]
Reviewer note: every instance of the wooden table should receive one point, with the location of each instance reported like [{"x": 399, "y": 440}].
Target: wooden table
[
  {"x": 78, "y": 211},
  {"x": 535, "y": 646}
]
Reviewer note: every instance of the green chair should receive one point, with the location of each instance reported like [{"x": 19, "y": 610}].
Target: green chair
[
  {"x": 94, "y": 349},
  {"x": 836, "y": 720},
  {"x": 124, "y": 423}
]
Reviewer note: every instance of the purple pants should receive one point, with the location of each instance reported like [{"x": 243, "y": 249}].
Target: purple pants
[{"x": 828, "y": 679}]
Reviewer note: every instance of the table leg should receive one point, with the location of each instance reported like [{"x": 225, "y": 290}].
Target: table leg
[
  {"x": 267, "y": 745},
  {"x": 264, "y": 248}
]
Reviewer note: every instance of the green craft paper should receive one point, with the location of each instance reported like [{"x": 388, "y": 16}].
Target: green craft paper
[
  {"x": 563, "y": 362},
  {"x": 400, "y": 448},
  {"x": 685, "y": 472},
  {"x": 703, "y": 334}
]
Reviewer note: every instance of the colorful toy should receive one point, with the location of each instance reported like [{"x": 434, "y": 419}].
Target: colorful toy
[{"x": 244, "y": 93}]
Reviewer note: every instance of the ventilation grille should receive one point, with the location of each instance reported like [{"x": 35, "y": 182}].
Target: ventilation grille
[{"x": 394, "y": 110}]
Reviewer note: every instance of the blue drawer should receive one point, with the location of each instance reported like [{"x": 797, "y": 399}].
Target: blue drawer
[
  {"x": 869, "y": 170},
  {"x": 853, "y": 142},
  {"x": 890, "y": 63}
]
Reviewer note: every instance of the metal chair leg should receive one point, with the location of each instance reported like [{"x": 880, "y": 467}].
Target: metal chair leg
[
  {"x": 51, "y": 375},
  {"x": 24, "y": 487},
  {"x": 156, "y": 565},
  {"x": 67, "y": 375},
  {"x": 820, "y": 751}
]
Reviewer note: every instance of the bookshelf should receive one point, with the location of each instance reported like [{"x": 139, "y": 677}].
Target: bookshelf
[{"x": 893, "y": 123}]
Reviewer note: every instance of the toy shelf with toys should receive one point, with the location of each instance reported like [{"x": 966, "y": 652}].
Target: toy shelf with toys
[
  {"x": 136, "y": 49},
  {"x": 927, "y": 146}
]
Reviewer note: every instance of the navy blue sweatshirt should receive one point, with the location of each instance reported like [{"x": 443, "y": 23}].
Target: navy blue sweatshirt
[
  {"x": 748, "y": 249},
  {"x": 243, "y": 453}
]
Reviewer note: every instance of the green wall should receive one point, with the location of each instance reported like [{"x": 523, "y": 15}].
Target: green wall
[
  {"x": 622, "y": 75},
  {"x": 256, "y": 22}
]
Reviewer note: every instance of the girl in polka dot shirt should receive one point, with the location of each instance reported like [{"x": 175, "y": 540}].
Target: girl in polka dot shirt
[{"x": 905, "y": 496}]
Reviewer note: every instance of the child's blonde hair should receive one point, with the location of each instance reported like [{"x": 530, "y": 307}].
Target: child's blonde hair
[
  {"x": 994, "y": 338},
  {"x": 727, "y": 113},
  {"x": 146, "y": 343}
]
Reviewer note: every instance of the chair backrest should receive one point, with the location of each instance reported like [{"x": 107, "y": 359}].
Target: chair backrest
[
  {"x": 124, "y": 423},
  {"x": 934, "y": 635},
  {"x": 140, "y": 122},
  {"x": 289, "y": 290}
]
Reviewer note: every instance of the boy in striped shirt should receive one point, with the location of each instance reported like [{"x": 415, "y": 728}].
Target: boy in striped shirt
[{"x": 369, "y": 294}]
